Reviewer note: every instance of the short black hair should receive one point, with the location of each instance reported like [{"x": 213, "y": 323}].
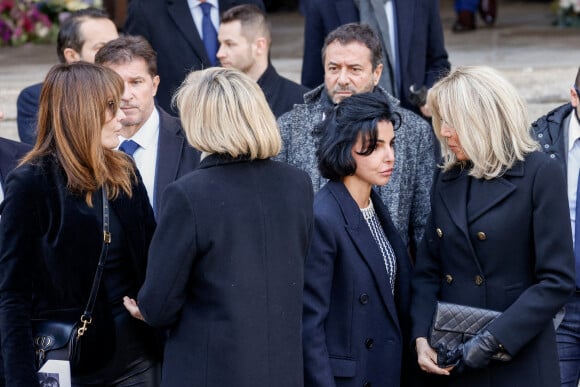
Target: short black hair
[
  {"x": 578, "y": 78},
  {"x": 353, "y": 116}
]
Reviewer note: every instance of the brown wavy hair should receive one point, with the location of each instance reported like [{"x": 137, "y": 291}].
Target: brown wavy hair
[{"x": 74, "y": 102}]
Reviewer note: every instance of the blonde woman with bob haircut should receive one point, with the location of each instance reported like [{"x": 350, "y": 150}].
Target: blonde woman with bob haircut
[
  {"x": 498, "y": 238},
  {"x": 227, "y": 99},
  {"x": 51, "y": 234},
  {"x": 489, "y": 116},
  {"x": 231, "y": 241}
]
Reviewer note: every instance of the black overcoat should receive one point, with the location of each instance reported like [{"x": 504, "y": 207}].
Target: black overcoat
[
  {"x": 225, "y": 274},
  {"x": 510, "y": 250}
]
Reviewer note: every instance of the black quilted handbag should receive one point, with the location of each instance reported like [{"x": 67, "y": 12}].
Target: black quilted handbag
[{"x": 454, "y": 324}]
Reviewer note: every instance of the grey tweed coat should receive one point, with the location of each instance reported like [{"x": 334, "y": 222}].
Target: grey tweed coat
[{"x": 407, "y": 193}]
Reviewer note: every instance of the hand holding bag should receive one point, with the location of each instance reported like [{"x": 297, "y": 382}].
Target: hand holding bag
[
  {"x": 61, "y": 338},
  {"x": 454, "y": 325}
]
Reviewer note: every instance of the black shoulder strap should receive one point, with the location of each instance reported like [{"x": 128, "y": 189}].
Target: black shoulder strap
[{"x": 87, "y": 316}]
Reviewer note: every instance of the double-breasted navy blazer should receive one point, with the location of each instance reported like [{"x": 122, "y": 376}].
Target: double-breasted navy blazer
[
  {"x": 422, "y": 55},
  {"x": 169, "y": 28},
  {"x": 502, "y": 244},
  {"x": 175, "y": 157},
  {"x": 225, "y": 274},
  {"x": 50, "y": 242},
  {"x": 354, "y": 328}
]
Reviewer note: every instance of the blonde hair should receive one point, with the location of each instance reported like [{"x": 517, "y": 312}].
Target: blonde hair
[
  {"x": 74, "y": 103},
  {"x": 224, "y": 111},
  {"x": 489, "y": 116}
]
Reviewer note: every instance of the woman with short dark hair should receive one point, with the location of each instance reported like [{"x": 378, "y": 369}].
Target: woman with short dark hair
[
  {"x": 357, "y": 271},
  {"x": 225, "y": 267}
]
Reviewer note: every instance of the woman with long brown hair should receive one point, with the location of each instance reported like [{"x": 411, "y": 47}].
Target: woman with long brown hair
[{"x": 51, "y": 232}]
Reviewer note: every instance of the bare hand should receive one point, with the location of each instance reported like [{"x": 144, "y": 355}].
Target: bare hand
[
  {"x": 427, "y": 358},
  {"x": 132, "y": 307}
]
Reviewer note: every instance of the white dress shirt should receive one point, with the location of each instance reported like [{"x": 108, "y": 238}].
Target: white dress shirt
[
  {"x": 197, "y": 14},
  {"x": 573, "y": 167}
]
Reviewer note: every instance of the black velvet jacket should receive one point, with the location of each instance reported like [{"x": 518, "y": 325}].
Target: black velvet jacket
[{"x": 50, "y": 241}]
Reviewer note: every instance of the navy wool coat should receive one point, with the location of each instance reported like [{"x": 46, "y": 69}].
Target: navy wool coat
[
  {"x": 422, "y": 55},
  {"x": 355, "y": 330},
  {"x": 509, "y": 250},
  {"x": 225, "y": 274},
  {"x": 168, "y": 26}
]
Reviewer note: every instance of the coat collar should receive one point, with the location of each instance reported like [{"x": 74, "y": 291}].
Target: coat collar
[
  {"x": 218, "y": 159},
  {"x": 360, "y": 235}
]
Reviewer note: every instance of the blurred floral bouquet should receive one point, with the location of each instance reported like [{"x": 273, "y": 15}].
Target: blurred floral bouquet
[
  {"x": 568, "y": 12},
  {"x": 37, "y": 21}
]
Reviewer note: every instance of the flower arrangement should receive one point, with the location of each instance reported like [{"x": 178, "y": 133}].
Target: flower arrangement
[
  {"x": 568, "y": 12},
  {"x": 36, "y": 21}
]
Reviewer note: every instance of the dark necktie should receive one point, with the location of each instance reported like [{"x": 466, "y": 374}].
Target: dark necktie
[
  {"x": 577, "y": 234},
  {"x": 209, "y": 34},
  {"x": 129, "y": 147}
]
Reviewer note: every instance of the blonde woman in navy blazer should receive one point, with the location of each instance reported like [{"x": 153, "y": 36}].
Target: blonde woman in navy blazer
[
  {"x": 357, "y": 273},
  {"x": 498, "y": 237}
]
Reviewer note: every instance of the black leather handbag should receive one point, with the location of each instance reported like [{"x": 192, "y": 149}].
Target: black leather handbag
[
  {"x": 62, "y": 338},
  {"x": 455, "y": 324}
]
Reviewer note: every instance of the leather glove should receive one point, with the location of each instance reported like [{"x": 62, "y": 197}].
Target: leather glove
[
  {"x": 449, "y": 358},
  {"x": 478, "y": 352}
]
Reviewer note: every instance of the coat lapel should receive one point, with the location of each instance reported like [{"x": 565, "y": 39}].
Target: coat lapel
[
  {"x": 179, "y": 11},
  {"x": 360, "y": 235},
  {"x": 405, "y": 20}
]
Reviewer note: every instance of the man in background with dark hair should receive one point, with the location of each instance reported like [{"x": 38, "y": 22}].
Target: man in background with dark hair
[
  {"x": 184, "y": 35},
  {"x": 558, "y": 133},
  {"x": 79, "y": 38},
  {"x": 245, "y": 38}
]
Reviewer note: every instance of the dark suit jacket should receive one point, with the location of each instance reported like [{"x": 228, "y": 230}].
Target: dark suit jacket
[
  {"x": 10, "y": 154},
  {"x": 281, "y": 93},
  {"x": 169, "y": 27},
  {"x": 50, "y": 243},
  {"x": 175, "y": 157},
  {"x": 231, "y": 241},
  {"x": 510, "y": 250},
  {"x": 422, "y": 54},
  {"x": 354, "y": 330},
  {"x": 27, "y": 113}
]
